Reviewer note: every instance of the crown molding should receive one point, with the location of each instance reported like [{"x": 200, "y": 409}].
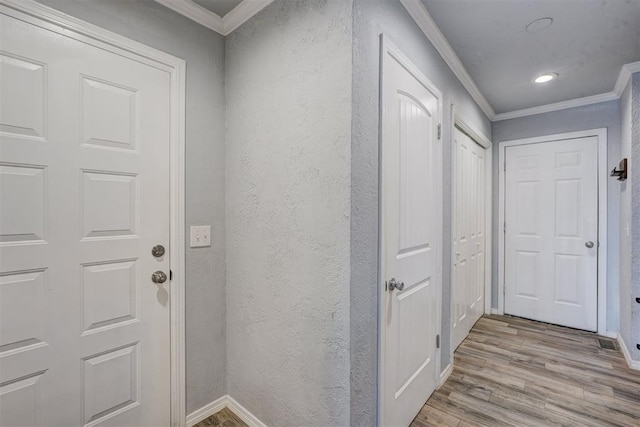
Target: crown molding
[
  {"x": 547, "y": 108},
  {"x": 625, "y": 75},
  {"x": 242, "y": 13},
  {"x": 224, "y": 26},
  {"x": 196, "y": 13},
  {"x": 421, "y": 16}
]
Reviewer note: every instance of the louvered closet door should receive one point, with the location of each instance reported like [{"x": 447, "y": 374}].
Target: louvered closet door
[
  {"x": 468, "y": 235},
  {"x": 84, "y": 195}
]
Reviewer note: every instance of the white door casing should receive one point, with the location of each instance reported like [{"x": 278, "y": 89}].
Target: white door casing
[
  {"x": 469, "y": 236},
  {"x": 551, "y": 217},
  {"x": 411, "y": 237},
  {"x": 87, "y": 189}
]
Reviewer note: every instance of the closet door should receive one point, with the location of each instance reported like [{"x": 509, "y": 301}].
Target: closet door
[{"x": 468, "y": 222}]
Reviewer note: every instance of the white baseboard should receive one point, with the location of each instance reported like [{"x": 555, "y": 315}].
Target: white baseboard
[
  {"x": 225, "y": 401},
  {"x": 633, "y": 364},
  {"x": 206, "y": 411},
  {"x": 445, "y": 374},
  {"x": 494, "y": 311},
  {"x": 244, "y": 414}
]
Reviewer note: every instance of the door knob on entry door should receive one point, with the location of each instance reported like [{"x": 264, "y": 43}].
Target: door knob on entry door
[
  {"x": 394, "y": 284},
  {"x": 158, "y": 277},
  {"x": 589, "y": 244}
]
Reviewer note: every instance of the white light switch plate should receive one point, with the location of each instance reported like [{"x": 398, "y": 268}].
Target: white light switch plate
[{"x": 200, "y": 236}]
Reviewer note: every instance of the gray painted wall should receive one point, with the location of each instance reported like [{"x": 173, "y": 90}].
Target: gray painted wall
[
  {"x": 635, "y": 215},
  {"x": 625, "y": 220},
  {"x": 288, "y": 89},
  {"x": 370, "y": 19},
  {"x": 602, "y": 115},
  {"x": 154, "y": 25}
]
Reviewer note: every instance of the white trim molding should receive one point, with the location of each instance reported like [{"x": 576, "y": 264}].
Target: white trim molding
[
  {"x": 207, "y": 410},
  {"x": 625, "y": 75},
  {"x": 243, "y": 413},
  {"x": 633, "y": 364},
  {"x": 219, "y": 404},
  {"x": 572, "y": 103},
  {"x": 55, "y": 21},
  {"x": 421, "y": 16},
  {"x": 603, "y": 177},
  {"x": 444, "y": 376},
  {"x": 221, "y": 25}
]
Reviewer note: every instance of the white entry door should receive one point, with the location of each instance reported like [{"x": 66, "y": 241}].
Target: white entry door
[
  {"x": 551, "y": 236},
  {"x": 468, "y": 235},
  {"x": 84, "y": 196},
  {"x": 411, "y": 237}
]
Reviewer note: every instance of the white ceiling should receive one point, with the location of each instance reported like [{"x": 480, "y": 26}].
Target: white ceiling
[
  {"x": 587, "y": 44},
  {"x": 219, "y": 7}
]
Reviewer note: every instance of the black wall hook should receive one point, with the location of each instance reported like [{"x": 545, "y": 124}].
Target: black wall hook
[{"x": 622, "y": 172}]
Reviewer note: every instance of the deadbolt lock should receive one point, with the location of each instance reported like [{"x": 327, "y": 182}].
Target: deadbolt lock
[{"x": 157, "y": 251}]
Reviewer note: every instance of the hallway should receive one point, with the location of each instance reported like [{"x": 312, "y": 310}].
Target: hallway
[{"x": 512, "y": 371}]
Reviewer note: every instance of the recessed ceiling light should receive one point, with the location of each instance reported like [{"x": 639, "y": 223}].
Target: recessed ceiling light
[
  {"x": 539, "y": 25},
  {"x": 544, "y": 78}
]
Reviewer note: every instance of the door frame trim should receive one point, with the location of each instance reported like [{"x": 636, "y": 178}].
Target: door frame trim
[
  {"x": 458, "y": 121},
  {"x": 53, "y": 20},
  {"x": 387, "y": 47},
  {"x": 603, "y": 176}
]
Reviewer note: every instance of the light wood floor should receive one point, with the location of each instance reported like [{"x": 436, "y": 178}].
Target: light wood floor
[{"x": 516, "y": 372}]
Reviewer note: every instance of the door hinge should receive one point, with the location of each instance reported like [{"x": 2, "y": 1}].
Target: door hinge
[
  {"x": 438, "y": 341},
  {"x": 505, "y": 165},
  {"x": 504, "y": 227},
  {"x": 439, "y": 131}
]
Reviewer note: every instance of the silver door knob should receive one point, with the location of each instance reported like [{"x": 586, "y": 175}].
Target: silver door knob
[
  {"x": 158, "y": 277},
  {"x": 157, "y": 251},
  {"x": 589, "y": 244},
  {"x": 394, "y": 284}
]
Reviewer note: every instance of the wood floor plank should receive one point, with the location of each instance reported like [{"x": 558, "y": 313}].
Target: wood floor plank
[{"x": 517, "y": 372}]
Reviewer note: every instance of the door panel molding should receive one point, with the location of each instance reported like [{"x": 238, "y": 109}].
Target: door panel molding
[
  {"x": 603, "y": 176},
  {"x": 45, "y": 17}
]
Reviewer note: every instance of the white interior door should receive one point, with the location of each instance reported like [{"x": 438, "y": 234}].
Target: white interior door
[
  {"x": 411, "y": 238},
  {"x": 84, "y": 196},
  {"x": 551, "y": 232},
  {"x": 469, "y": 212}
]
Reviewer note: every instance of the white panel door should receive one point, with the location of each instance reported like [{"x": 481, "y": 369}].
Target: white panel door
[
  {"x": 468, "y": 235},
  {"x": 84, "y": 196},
  {"x": 411, "y": 240},
  {"x": 551, "y": 220}
]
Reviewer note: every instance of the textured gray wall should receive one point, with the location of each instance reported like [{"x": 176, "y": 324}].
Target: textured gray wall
[
  {"x": 626, "y": 295},
  {"x": 602, "y": 115},
  {"x": 371, "y": 18},
  {"x": 635, "y": 215},
  {"x": 156, "y": 26},
  {"x": 288, "y": 86}
]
